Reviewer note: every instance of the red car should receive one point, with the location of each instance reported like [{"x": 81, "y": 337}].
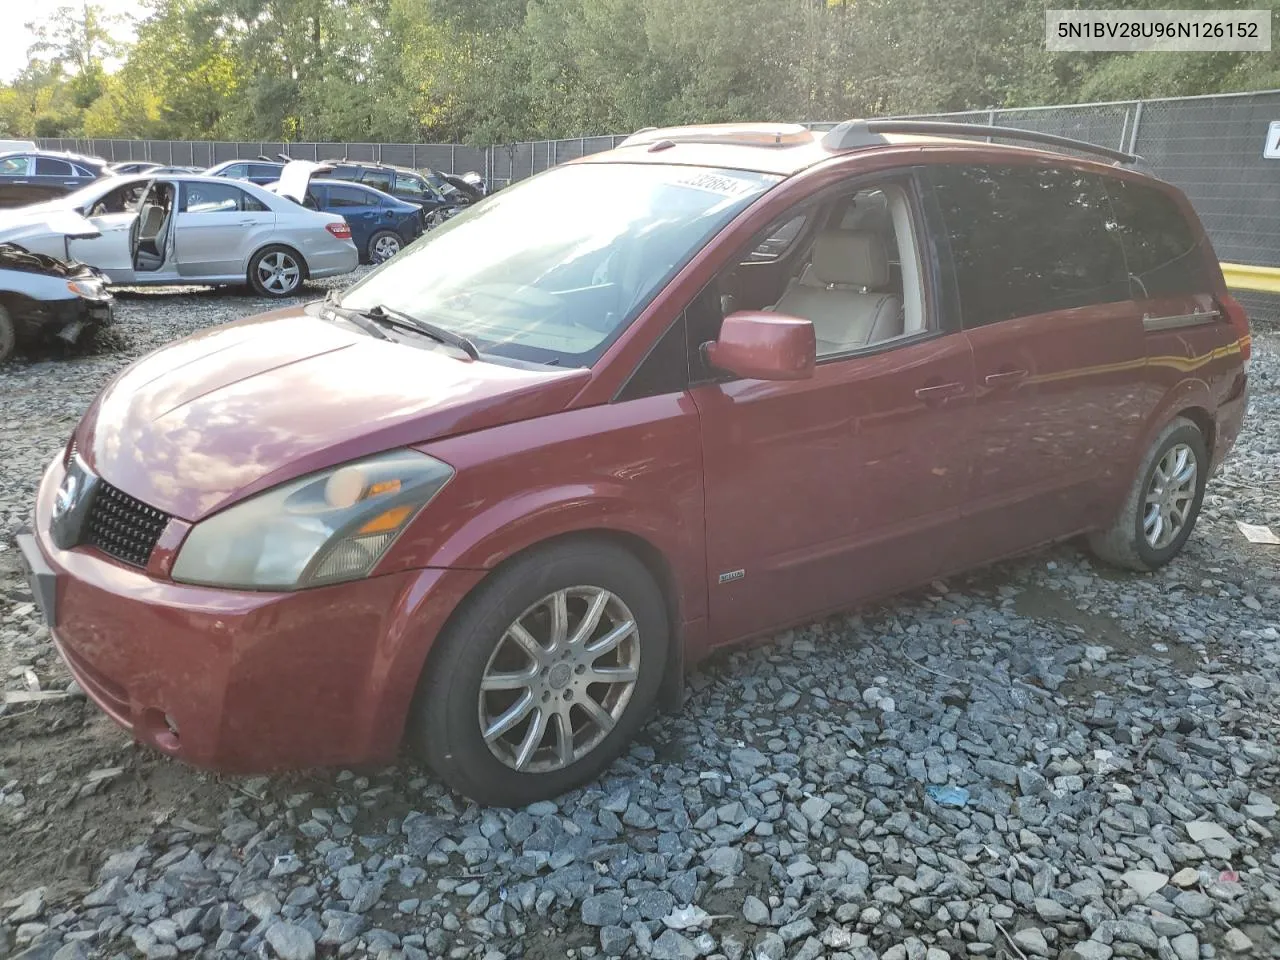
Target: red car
[{"x": 497, "y": 496}]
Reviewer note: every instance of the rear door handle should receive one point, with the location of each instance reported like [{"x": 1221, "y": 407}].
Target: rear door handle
[
  {"x": 1005, "y": 378},
  {"x": 936, "y": 393}
]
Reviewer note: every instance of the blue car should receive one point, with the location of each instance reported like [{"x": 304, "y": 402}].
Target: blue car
[{"x": 380, "y": 224}]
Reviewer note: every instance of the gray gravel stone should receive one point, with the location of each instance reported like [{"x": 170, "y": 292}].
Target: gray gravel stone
[{"x": 291, "y": 942}]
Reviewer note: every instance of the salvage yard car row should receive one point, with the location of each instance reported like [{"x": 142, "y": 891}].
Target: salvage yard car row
[{"x": 140, "y": 224}]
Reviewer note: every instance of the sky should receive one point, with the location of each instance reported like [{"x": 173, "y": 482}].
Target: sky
[{"x": 15, "y": 37}]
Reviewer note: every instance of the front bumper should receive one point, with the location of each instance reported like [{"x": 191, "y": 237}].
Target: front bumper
[
  {"x": 241, "y": 681},
  {"x": 67, "y": 319}
]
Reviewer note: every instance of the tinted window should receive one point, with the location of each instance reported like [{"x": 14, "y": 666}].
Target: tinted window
[
  {"x": 1028, "y": 240},
  {"x": 213, "y": 198},
  {"x": 235, "y": 170},
  {"x": 14, "y": 166},
  {"x": 48, "y": 167},
  {"x": 409, "y": 186},
  {"x": 265, "y": 171},
  {"x": 1162, "y": 249},
  {"x": 377, "y": 178},
  {"x": 350, "y": 197}
]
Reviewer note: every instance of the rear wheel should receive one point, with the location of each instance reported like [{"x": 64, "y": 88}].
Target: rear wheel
[
  {"x": 1161, "y": 508},
  {"x": 546, "y": 673},
  {"x": 276, "y": 272},
  {"x": 8, "y": 335},
  {"x": 384, "y": 245}
]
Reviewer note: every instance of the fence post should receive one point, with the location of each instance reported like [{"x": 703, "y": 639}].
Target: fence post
[
  {"x": 453, "y": 158},
  {"x": 991, "y": 121},
  {"x": 1133, "y": 133}
]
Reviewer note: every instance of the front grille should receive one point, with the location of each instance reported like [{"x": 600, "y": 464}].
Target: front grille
[{"x": 123, "y": 527}]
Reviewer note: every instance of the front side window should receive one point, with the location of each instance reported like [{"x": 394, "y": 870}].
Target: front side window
[
  {"x": 1163, "y": 252},
  {"x": 14, "y": 166},
  {"x": 378, "y": 179},
  {"x": 409, "y": 186},
  {"x": 553, "y": 269},
  {"x": 265, "y": 171},
  {"x": 235, "y": 171},
  {"x": 1028, "y": 239},
  {"x": 48, "y": 167},
  {"x": 213, "y": 198}
]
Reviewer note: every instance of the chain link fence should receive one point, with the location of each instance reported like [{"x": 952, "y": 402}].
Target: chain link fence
[{"x": 1211, "y": 147}]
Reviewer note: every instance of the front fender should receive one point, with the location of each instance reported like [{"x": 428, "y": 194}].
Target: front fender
[{"x": 499, "y": 531}]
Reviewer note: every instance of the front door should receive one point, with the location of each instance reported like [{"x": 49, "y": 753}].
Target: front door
[
  {"x": 823, "y": 492},
  {"x": 109, "y": 251}
]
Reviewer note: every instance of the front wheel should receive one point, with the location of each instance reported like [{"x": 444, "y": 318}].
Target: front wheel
[
  {"x": 544, "y": 675},
  {"x": 276, "y": 272},
  {"x": 1161, "y": 508}
]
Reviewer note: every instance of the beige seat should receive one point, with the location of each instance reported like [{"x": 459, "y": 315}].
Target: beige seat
[{"x": 834, "y": 292}]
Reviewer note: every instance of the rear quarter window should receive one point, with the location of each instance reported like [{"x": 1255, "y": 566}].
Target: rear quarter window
[
  {"x": 1028, "y": 239},
  {"x": 1162, "y": 248}
]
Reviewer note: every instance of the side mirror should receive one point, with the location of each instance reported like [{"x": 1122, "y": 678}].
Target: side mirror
[{"x": 764, "y": 346}]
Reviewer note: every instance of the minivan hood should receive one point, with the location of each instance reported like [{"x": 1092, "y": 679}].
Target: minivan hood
[{"x": 235, "y": 409}]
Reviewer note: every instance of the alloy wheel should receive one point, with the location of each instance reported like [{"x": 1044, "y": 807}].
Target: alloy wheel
[
  {"x": 279, "y": 272},
  {"x": 385, "y": 247},
  {"x": 1170, "y": 494},
  {"x": 559, "y": 679}
]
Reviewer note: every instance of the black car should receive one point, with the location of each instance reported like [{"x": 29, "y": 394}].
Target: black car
[
  {"x": 260, "y": 172},
  {"x": 428, "y": 189},
  {"x": 43, "y": 298},
  {"x": 32, "y": 176}
]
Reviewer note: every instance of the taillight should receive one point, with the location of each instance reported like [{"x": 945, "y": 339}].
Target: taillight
[
  {"x": 340, "y": 230},
  {"x": 1239, "y": 321}
]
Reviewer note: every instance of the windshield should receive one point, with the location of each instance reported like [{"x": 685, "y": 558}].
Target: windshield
[{"x": 553, "y": 269}]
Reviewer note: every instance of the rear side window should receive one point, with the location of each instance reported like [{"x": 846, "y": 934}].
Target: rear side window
[
  {"x": 1028, "y": 240},
  {"x": 350, "y": 197},
  {"x": 235, "y": 171},
  {"x": 214, "y": 198},
  {"x": 1162, "y": 249},
  {"x": 264, "y": 171},
  {"x": 48, "y": 167}
]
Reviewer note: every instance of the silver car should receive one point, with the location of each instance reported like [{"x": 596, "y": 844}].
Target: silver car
[{"x": 189, "y": 229}]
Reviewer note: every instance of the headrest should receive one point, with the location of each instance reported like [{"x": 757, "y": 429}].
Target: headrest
[{"x": 849, "y": 258}]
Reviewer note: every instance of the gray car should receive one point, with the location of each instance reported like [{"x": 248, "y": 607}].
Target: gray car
[{"x": 184, "y": 229}]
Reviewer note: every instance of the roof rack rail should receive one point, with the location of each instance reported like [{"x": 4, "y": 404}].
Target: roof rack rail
[{"x": 867, "y": 133}]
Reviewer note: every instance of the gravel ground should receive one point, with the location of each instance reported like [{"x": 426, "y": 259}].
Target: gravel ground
[{"x": 1044, "y": 759}]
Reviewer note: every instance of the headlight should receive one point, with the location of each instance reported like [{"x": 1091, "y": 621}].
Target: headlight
[
  {"x": 89, "y": 289},
  {"x": 322, "y": 528}
]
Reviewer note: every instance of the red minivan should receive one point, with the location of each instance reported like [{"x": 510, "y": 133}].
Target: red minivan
[{"x": 498, "y": 495}]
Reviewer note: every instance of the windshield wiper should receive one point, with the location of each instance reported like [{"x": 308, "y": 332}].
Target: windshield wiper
[
  {"x": 397, "y": 318},
  {"x": 356, "y": 317}
]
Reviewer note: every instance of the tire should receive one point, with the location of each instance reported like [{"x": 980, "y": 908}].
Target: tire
[
  {"x": 292, "y": 271},
  {"x": 8, "y": 335},
  {"x": 450, "y": 708},
  {"x": 1129, "y": 542},
  {"x": 384, "y": 245}
]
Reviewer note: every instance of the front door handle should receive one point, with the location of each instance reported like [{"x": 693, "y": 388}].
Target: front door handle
[
  {"x": 1005, "y": 378},
  {"x": 938, "y": 393}
]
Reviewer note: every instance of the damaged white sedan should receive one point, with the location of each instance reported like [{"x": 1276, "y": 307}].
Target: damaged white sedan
[{"x": 176, "y": 230}]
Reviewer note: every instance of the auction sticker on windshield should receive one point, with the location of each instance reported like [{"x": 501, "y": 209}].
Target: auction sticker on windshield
[{"x": 718, "y": 183}]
